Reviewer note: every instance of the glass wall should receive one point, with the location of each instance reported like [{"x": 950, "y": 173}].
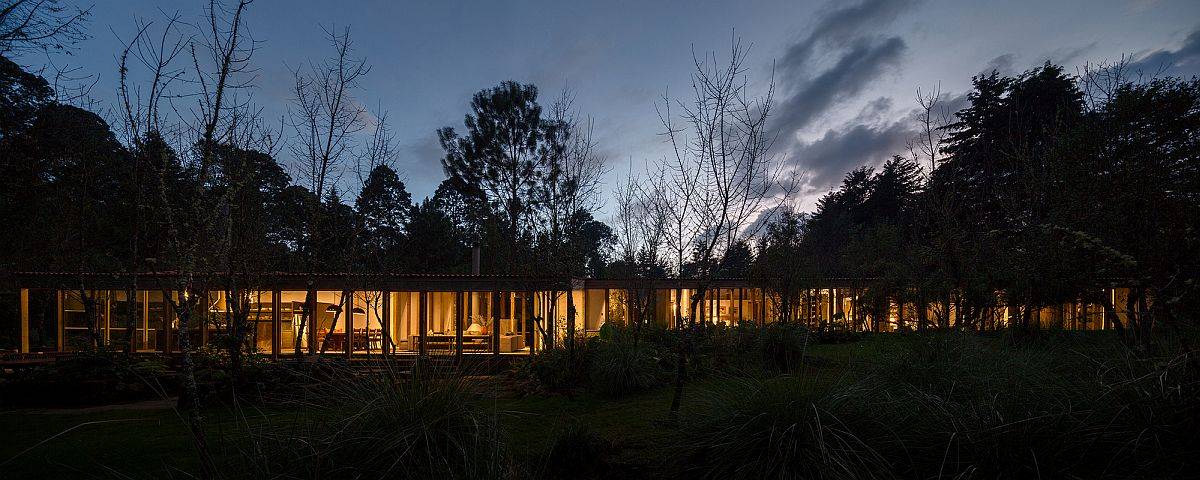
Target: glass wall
[
  {"x": 441, "y": 332},
  {"x": 404, "y": 322},
  {"x": 81, "y": 330},
  {"x": 331, "y": 313},
  {"x": 366, "y": 321},
  {"x": 293, "y": 321},
  {"x": 158, "y": 321},
  {"x": 594, "y": 311},
  {"x": 43, "y": 320},
  {"x": 618, "y": 306},
  {"x": 478, "y": 323}
]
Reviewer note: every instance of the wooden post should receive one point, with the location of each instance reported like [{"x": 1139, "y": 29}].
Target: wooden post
[
  {"x": 458, "y": 326},
  {"x": 422, "y": 324},
  {"x": 312, "y": 319},
  {"x": 385, "y": 322},
  {"x": 24, "y": 320},
  {"x": 495, "y": 330},
  {"x": 348, "y": 322},
  {"x": 276, "y": 324}
]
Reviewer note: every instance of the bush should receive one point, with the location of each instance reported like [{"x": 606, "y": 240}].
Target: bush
[
  {"x": 388, "y": 424},
  {"x": 751, "y": 428},
  {"x": 92, "y": 378},
  {"x": 782, "y": 345},
  {"x": 618, "y": 368},
  {"x": 955, "y": 406},
  {"x": 555, "y": 370}
]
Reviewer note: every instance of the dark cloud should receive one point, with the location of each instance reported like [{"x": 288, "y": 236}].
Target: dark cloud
[
  {"x": 1184, "y": 62},
  {"x": 837, "y": 61},
  {"x": 847, "y": 37},
  {"x": 421, "y": 164},
  {"x": 841, "y": 27},
  {"x": 1068, "y": 55},
  {"x": 855, "y": 70},
  {"x": 1002, "y": 64},
  {"x": 828, "y": 158}
]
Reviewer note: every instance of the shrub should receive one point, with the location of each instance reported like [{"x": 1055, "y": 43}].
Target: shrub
[
  {"x": 90, "y": 378},
  {"x": 782, "y": 345},
  {"x": 387, "y": 424},
  {"x": 555, "y": 369},
  {"x": 749, "y": 428},
  {"x": 619, "y": 368},
  {"x": 953, "y": 405}
]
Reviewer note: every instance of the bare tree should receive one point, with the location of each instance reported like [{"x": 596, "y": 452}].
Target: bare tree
[
  {"x": 212, "y": 115},
  {"x": 641, "y": 222},
  {"x": 324, "y": 119},
  {"x": 932, "y": 117},
  {"x": 570, "y": 171},
  {"x": 27, "y": 25},
  {"x": 720, "y": 176}
]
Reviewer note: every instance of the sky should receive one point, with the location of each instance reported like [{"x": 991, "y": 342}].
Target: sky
[{"x": 846, "y": 73}]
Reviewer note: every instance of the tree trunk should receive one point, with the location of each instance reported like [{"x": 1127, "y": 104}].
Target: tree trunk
[{"x": 189, "y": 401}]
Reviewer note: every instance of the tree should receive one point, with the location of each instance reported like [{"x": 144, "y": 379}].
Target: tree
[
  {"x": 779, "y": 266},
  {"x": 220, "y": 58},
  {"x": 27, "y": 25},
  {"x": 719, "y": 178},
  {"x": 432, "y": 224},
  {"x": 495, "y": 165},
  {"x": 324, "y": 119},
  {"x": 385, "y": 209}
]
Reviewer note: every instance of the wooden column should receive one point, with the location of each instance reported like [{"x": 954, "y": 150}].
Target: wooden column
[
  {"x": 385, "y": 322},
  {"x": 348, "y": 322},
  {"x": 495, "y": 330},
  {"x": 58, "y": 318},
  {"x": 551, "y": 319},
  {"x": 312, "y": 319},
  {"x": 422, "y": 324},
  {"x": 24, "y": 320},
  {"x": 276, "y": 324},
  {"x": 458, "y": 325},
  {"x": 571, "y": 318}
]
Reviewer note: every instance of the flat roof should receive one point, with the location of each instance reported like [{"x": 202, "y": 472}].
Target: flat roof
[{"x": 379, "y": 281}]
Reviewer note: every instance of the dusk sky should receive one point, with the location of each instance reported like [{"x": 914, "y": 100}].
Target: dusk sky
[{"x": 846, "y": 73}]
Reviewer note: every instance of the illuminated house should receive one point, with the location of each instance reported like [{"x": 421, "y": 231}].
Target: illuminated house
[{"x": 370, "y": 314}]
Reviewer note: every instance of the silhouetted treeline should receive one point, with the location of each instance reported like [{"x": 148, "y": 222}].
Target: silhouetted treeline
[
  {"x": 1046, "y": 189},
  {"x": 76, "y": 199}
]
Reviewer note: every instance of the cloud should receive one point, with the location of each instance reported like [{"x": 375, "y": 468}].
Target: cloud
[
  {"x": 1068, "y": 55},
  {"x": 855, "y": 70},
  {"x": 1002, "y": 64},
  {"x": 842, "y": 27},
  {"x": 840, "y": 150},
  {"x": 420, "y": 164},
  {"x": 840, "y": 58},
  {"x": 1183, "y": 61}
]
